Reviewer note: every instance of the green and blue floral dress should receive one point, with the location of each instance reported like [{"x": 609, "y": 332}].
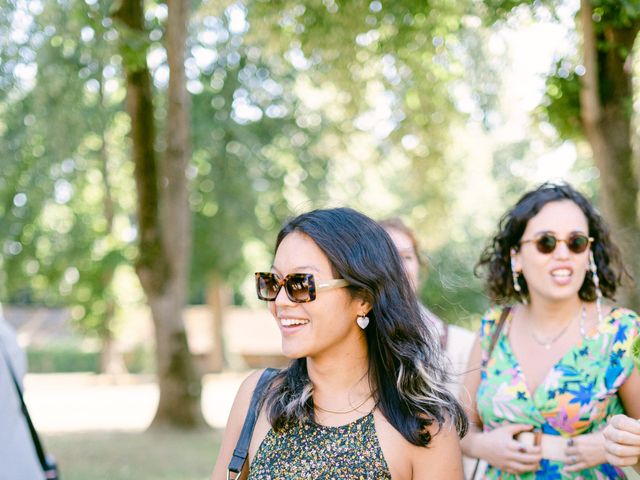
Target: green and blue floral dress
[{"x": 576, "y": 397}]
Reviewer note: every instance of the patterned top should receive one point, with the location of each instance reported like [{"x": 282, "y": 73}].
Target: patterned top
[
  {"x": 576, "y": 396},
  {"x": 306, "y": 450}
]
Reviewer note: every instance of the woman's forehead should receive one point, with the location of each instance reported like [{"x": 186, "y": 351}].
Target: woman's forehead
[
  {"x": 298, "y": 252},
  {"x": 400, "y": 239},
  {"x": 558, "y": 217}
]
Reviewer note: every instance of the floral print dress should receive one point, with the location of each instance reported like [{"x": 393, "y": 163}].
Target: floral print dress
[{"x": 576, "y": 397}]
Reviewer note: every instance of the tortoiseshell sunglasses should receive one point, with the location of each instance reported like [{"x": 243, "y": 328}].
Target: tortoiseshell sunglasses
[{"x": 300, "y": 287}]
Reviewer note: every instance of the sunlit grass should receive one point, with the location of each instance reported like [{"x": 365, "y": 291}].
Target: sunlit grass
[{"x": 154, "y": 455}]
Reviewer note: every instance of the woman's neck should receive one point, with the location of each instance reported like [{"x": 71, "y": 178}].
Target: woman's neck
[
  {"x": 543, "y": 313},
  {"x": 340, "y": 376}
]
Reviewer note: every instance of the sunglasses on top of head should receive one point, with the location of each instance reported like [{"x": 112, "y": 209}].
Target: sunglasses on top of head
[
  {"x": 547, "y": 242},
  {"x": 299, "y": 287}
]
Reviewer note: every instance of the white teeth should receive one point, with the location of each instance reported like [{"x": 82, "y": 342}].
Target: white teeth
[
  {"x": 288, "y": 322},
  {"x": 561, "y": 272}
]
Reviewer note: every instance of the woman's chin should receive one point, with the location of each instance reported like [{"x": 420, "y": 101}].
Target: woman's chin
[
  {"x": 293, "y": 356},
  {"x": 293, "y": 352}
]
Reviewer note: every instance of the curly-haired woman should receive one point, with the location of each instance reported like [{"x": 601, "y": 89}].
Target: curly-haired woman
[{"x": 551, "y": 359}]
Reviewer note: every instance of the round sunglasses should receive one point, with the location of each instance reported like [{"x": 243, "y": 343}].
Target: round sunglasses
[
  {"x": 547, "y": 242},
  {"x": 299, "y": 287}
]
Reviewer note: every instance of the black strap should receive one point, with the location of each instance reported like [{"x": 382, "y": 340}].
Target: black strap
[
  {"x": 242, "y": 447},
  {"x": 475, "y": 470},
  {"x": 496, "y": 332},
  {"x": 34, "y": 435}
]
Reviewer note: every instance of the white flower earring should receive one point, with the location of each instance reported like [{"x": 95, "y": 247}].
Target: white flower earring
[
  {"x": 362, "y": 321},
  {"x": 515, "y": 276}
]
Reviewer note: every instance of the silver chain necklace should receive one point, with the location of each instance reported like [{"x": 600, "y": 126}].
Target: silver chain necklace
[{"x": 548, "y": 343}]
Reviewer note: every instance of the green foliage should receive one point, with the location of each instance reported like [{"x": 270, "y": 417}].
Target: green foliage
[
  {"x": 249, "y": 143},
  {"x": 561, "y": 103},
  {"x": 134, "y": 47},
  {"x": 402, "y": 59},
  {"x": 62, "y": 359},
  {"x": 140, "y": 359},
  {"x": 311, "y": 104},
  {"x": 616, "y": 13},
  {"x": 451, "y": 291},
  {"x": 635, "y": 352},
  {"x": 315, "y": 81},
  {"x": 58, "y": 149}
]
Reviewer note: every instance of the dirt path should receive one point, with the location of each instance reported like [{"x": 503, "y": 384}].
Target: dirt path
[{"x": 83, "y": 402}]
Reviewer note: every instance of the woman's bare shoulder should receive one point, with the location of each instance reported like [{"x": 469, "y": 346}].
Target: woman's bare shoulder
[
  {"x": 248, "y": 385},
  {"x": 234, "y": 423},
  {"x": 442, "y": 459}
]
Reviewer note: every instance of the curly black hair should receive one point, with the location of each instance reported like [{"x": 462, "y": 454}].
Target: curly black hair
[{"x": 496, "y": 259}]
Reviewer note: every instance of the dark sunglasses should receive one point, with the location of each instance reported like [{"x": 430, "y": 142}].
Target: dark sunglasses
[
  {"x": 547, "y": 242},
  {"x": 300, "y": 287}
]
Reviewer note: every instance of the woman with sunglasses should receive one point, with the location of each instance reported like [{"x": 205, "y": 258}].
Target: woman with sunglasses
[
  {"x": 363, "y": 396},
  {"x": 551, "y": 362}
]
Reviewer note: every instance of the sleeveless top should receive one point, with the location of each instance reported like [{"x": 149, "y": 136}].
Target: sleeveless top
[
  {"x": 306, "y": 450},
  {"x": 576, "y": 396}
]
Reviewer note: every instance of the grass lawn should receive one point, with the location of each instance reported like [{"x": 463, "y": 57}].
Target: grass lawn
[{"x": 154, "y": 455}]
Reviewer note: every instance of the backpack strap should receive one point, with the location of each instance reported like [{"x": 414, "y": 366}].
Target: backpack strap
[
  {"x": 496, "y": 333},
  {"x": 242, "y": 447}
]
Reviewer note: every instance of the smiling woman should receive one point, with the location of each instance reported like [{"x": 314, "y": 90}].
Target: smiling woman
[
  {"x": 552, "y": 364},
  {"x": 364, "y": 394}
]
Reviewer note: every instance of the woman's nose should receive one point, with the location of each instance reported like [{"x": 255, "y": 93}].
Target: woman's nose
[
  {"x": 282, "y": 298},
  {"x": 561, "y": 250}
]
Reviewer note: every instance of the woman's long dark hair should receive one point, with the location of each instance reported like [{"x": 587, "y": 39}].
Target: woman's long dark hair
[
  {"x": 406, "y": 366},
  {"x": 496, "y": 259}
]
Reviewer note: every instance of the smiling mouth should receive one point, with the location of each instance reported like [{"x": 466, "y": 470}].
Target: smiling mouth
[
  {"x": 293, "y": 322},
  {"x": 561, "y": 273}
]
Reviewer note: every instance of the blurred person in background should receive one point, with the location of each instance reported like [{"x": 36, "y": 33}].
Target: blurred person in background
[
  {"x": 551, "y": 363},
  {"x": 363, "y": 396},
  {"x": 18, "y": 459},
  {"x": 455, "y": 340}
]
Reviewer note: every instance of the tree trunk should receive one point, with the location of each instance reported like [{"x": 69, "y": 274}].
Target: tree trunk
[
  {"x": 163, "y": 212},
  {"x": 111, "y": 359},
  {"x": 606, "y": 97},
  {"x": 175, "y": 364},
  {"x": 217, "y": 299}
]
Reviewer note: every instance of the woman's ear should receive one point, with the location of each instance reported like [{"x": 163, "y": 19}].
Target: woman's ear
[
  {"x": 515, "y": 261},
  {"x": 363, "y": 306}
]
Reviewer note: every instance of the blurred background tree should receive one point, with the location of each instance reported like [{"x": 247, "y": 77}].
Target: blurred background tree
[{"x": 62, "y": 177}]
